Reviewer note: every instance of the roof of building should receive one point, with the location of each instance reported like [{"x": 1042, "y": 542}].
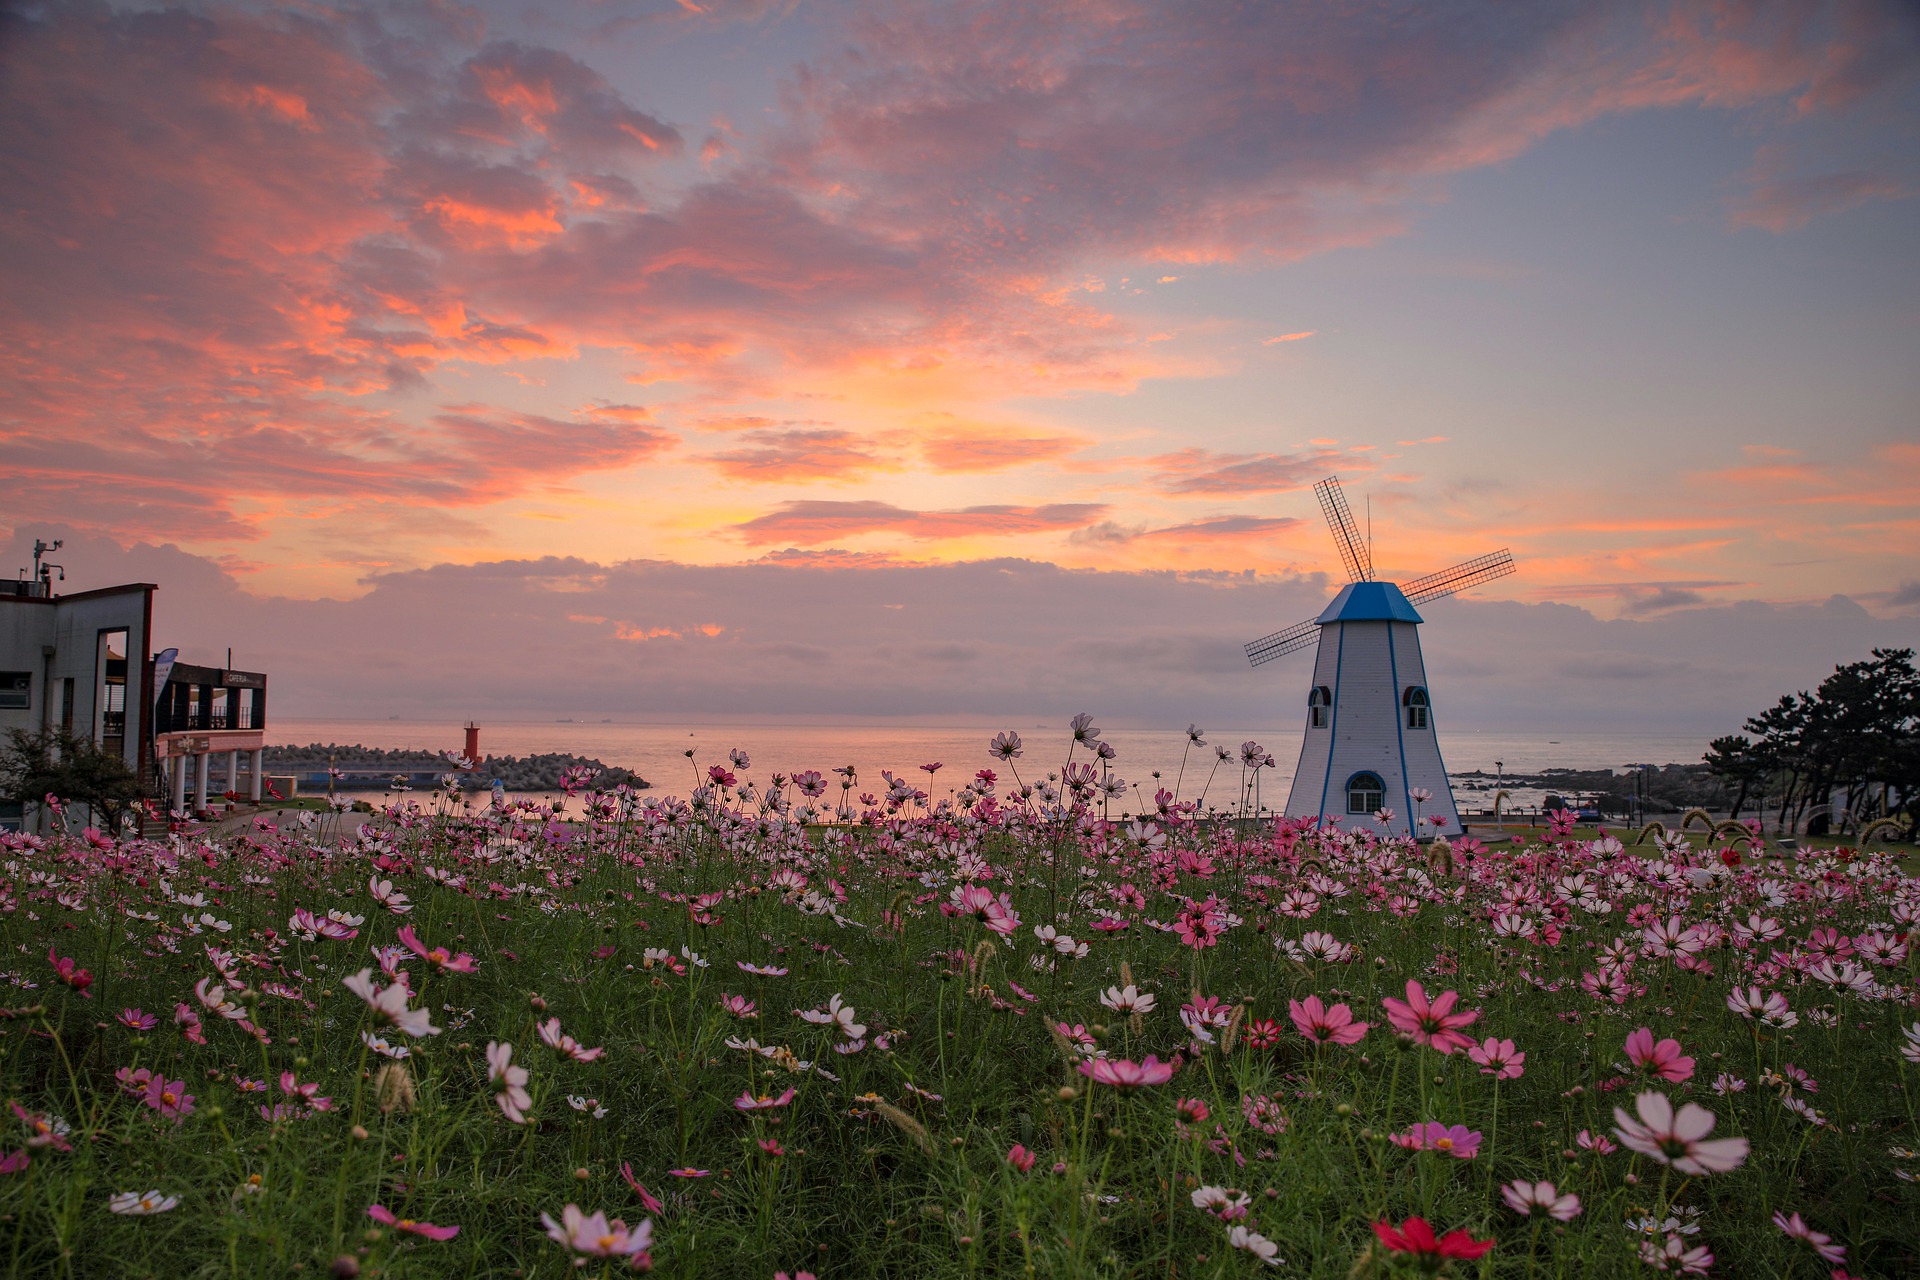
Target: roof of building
[
  {"x": 128, "y": 588},
  {"x": 1369, "y": 602}
]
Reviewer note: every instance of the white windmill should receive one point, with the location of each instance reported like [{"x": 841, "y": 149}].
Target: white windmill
[{"x": 1370, "y": 739}]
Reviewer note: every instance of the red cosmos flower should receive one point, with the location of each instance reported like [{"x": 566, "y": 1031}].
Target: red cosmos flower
[
  {"x": 1262, "y": 1033},
  {"x": 1414, "y": 1236},
  {"x": 1020, "y": 1158},
  {"x": 1430, "y": 1022},
  {"x": 69, "y": 971}
]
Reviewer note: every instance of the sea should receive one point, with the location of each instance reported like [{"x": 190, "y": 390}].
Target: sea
[{"x": 1146, "y": 759}]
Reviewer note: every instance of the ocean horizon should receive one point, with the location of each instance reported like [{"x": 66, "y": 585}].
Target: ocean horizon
[{"x": 657, "y": 750}]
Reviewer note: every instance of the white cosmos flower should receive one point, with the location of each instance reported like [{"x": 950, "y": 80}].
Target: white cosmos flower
[
  {"x": 838, "y": 1015},
  {"x": 137, "y": 1205},
  {"x": 1127, "y": 999},
  {"x": 391, "y": 1004},
  {"x": 1256, "y": 1244}
]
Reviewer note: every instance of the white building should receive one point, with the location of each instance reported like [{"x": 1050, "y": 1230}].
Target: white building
[
  {"x": 80, "y": 665},
  {"x": 76, "y": 664},
  {"x": 1370, "y": 737}
]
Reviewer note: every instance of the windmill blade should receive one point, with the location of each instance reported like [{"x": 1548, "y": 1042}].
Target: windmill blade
[
  {"x": 1346, "y": 534},
  {"x": 1437, "y": 586},
  {"x": 1280, "y": 643}
]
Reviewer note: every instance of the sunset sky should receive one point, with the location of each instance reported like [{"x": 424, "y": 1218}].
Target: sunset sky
[{"x": 330, "y": 305}]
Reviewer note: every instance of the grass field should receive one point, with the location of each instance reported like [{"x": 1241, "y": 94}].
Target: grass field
[{"x": 999, "y": 1038}]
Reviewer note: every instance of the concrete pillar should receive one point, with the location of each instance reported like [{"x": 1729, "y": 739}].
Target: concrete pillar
[
  {"x": 201, "y": 762},
  {"x": 258, "y": 760},
  {"x": 177, "y": 766},
  {"x": 233, "y": 771}
]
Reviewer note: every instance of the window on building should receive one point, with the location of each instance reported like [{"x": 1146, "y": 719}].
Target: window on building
[
  {"x": 1319, "y": 703},
  {"x": 1415, "y": 700},
  {"x": 16, "y": 690},
  {"x": 1365, "y": 793}
]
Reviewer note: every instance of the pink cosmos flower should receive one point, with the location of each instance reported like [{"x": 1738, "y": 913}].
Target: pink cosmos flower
[
  {"x": 1678, "y": 1139},
  {"x": 439, "y": 957},
  {"x": 42, "y": 1131},
  {"x": 1430, "y": 1022},
  {"x": 137, "y": 1019},
  {"x": 690, "y": 1172},
  {"x": 592, "y": 1236},
  {"x": 1324, "y": 1025},
  {"x": 647, "y": 1198},
  {"x": 739, "y": 1006},
  {"x": 1528, "y": 1198},
  {"x": 1822, "y": 1243},
  {"x": 1228, "y": 1204},
  {"x": 1125, "y": 1075},
  {"x": 551, "y": 1034},
  {"x": 1674, "y": 1256},
  {"x": 380, "y": 1213},
  {"x": 765, "y": 1102},
  {"x": 15, "y": 1161},
  {"x": 1456, "y": 1140},
  {"x": 304, "y": 1093},
  {"x": 761, "y": 970},
  {"x": 501, "y": 1071},
  {"x": 1663, "y": 1059},
  {"x": 1263, "y": 1113},
  {"x": 1498, "y": 1058},
  {"x": 1600, "y": 1146},
  {"x": 169, "y": 1098},
  {"x": 1020, "y": 1158}
]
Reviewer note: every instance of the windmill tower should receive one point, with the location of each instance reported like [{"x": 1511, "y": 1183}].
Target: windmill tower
[{"x": 1370, "y": 738}]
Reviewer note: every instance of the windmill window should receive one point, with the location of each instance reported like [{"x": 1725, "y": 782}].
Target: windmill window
[
  {"x": 1318, "y": 704},
  {"x": 1365, "y": 793},
  {"x": 1415, "y": 701}
]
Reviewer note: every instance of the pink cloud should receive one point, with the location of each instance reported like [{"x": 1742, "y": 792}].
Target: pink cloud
[
  {"x": 797, "y": 454},
  {"x": 810, "y": 523},
  {"x": 1780, "y": 202},
  {"x": 243, "y": 248},
  {"x": 1200, "y": 473},
  {"x": 970, "y": 451}
]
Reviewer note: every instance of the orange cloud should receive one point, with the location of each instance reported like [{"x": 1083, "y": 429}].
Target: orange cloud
[{"x": 1288, "y": 337}]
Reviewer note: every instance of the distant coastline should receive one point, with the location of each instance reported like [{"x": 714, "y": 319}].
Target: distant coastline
[{"x": 361, "y": 768}]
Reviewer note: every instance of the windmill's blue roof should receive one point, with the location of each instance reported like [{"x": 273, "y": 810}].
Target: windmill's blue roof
[{"x": 1369, "y": 602}]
